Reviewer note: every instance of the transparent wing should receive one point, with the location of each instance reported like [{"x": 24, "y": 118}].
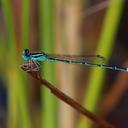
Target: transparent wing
[{"x": 93, "y": 59}]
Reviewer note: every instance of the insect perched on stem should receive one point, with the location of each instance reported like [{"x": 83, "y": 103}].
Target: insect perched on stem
[{"x": 90, "y": 61}]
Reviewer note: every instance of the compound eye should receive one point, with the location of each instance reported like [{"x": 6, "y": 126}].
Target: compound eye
[
  {"x": 26, "y": 54},
  {"x": 26, "y": 51}
]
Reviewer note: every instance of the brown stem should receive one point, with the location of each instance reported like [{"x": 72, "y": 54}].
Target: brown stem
[{"x": 98, "y": 121}]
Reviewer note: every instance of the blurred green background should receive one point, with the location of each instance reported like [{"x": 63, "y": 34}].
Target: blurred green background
[{"x": 83, "y": 27}]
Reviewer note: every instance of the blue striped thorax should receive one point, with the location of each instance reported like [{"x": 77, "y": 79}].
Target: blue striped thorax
[{"x": 38, "y": 56}]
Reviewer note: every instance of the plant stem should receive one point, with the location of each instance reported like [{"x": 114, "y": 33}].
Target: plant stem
[{"x": 97, "y": 120}]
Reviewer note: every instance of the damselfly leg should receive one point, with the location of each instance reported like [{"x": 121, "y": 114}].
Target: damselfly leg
[{"x": 31, "y": 66}]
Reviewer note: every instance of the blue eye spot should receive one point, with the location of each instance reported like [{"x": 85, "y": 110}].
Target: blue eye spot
[{"x": 26, "y": 54}]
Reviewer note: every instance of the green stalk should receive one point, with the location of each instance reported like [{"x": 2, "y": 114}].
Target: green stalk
[
  {"x": 47, "y": 40},
  {"x": 17, "y": 111},
  {"x": 2, "y": 51},
  {"x": 12, "y": 95},
  {"x": 105, "y": 47}
]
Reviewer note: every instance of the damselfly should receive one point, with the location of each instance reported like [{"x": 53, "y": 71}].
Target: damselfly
[{"x": 91, "y": 61}]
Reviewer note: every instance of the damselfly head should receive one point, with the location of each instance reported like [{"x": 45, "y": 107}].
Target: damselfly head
[{"x": 26, "y": 54}]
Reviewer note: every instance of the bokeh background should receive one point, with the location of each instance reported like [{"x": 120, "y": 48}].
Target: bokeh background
[{"x": 84, "y": 27}]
